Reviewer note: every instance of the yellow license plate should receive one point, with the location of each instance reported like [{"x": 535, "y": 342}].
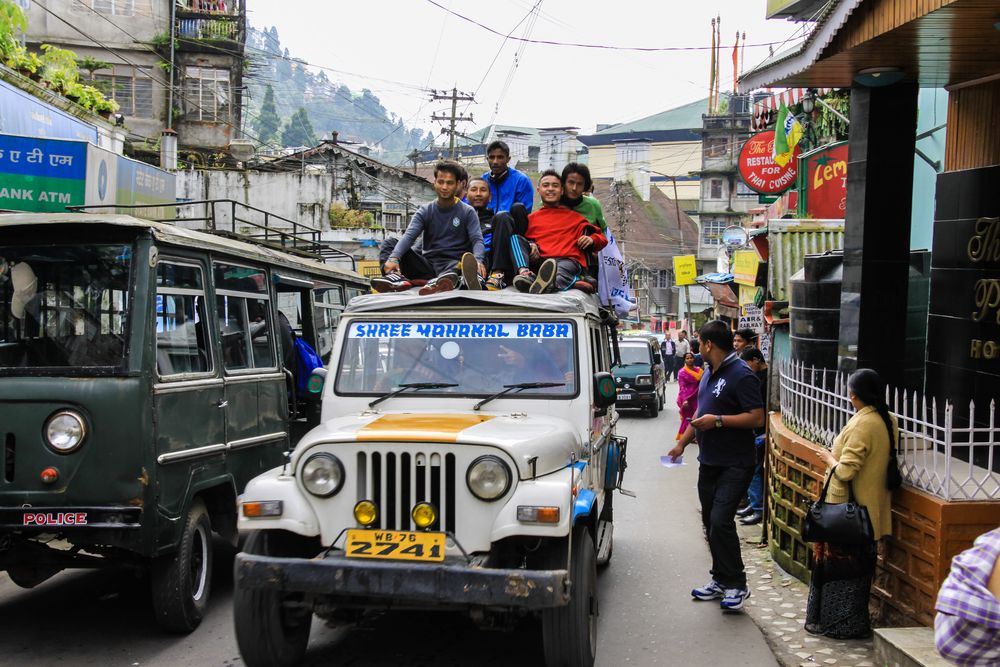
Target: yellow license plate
[{"x": 395, "y": 545}]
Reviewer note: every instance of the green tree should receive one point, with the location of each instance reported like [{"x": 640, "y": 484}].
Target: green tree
[
  {"x": 267, "y": 123},
  {"x": 298, "y": 131}
]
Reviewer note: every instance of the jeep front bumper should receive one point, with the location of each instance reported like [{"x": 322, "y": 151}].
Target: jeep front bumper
[{"x": 434, "y": 584}]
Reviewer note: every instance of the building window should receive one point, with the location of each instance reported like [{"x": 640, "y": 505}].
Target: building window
[
  {"x": 711, "y": 232},
  {"x": 715, "y": 188},
  {"x": 743, "y": 190},
  {"x": 115, "y": 7},
  {"x": 207, "y": 93},
  {"x": 662, "y": 280},
  {"x": 132, "y": 89},
  {"x": 717, "y": 147}
]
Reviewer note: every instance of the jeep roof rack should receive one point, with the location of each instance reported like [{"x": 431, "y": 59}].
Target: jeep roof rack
[{"x": 230, "y": 218}]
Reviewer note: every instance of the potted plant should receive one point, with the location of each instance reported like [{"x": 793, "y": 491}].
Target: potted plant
[
  {"x": 72, "y": 90},
  {"x": 26, "y": 63},
  {"x": 58, "y": 66},
  {"x": 105, "y": 107}
]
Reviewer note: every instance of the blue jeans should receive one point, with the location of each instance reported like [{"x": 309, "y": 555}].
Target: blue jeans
[{"x": 755, "y": 494}]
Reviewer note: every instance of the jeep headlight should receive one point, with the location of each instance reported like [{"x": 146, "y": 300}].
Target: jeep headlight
[
  {"x": 488, "y": 478},
  {"x": 323, "y": 475},
  {"x": 65, "y": 431},
  {"x": 643, "y": 380}
]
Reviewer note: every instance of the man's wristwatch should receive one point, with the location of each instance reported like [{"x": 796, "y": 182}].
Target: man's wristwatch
[{"x": 718, "y": 421}]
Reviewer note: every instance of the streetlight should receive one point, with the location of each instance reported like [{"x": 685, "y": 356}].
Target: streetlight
[{"x": 808, "y": 105}]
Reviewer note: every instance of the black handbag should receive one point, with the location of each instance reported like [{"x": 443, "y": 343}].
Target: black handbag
[{"x": 837, "y": 523}]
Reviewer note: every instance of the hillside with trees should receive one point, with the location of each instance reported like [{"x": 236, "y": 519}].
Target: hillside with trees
[{"x": 290, "y": 104}]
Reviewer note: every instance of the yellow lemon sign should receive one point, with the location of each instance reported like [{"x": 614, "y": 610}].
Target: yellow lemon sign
[{"x": 685, "y": 270}]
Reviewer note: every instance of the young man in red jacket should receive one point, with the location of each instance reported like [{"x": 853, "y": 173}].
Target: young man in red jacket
[{"x": 557, "y": 240}]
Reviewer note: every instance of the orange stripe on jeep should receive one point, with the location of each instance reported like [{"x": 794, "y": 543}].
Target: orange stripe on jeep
[{"x": 419, "y": 427}]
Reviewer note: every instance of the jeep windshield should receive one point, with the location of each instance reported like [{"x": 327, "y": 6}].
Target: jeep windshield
[
  {"x": 478, "y": 357},
  {"x": 64, "y": 307},
  {"x": 632, "y": 353}
]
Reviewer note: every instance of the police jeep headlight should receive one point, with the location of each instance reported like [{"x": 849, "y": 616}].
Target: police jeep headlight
[
  {"x": 488, "y": 478},
  {"x": 323, "y": 475},
  {"x": 643, "y": 380},
  {"x": 65, "y": 431}
]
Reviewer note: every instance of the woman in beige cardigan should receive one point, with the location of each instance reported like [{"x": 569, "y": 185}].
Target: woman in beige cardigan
[{"x": 842, "y": 574}]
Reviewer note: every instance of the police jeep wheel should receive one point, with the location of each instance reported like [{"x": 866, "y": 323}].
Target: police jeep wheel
[
  {"x": 569, "y": 633},
  {"x": 27, "y": 576},
  {"x": 654, "y": 409},
  {"x": 182, "y": 581},
  {"x": 270, "y": 632}
]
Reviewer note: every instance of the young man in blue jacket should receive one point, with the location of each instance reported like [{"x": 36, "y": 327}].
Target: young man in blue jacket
[{"x": 508, "y": 186}]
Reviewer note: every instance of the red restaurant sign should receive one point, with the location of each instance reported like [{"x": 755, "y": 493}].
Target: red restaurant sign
[
  {"x": 759, "y": 170},
  {"x": 825, "y": 187}
]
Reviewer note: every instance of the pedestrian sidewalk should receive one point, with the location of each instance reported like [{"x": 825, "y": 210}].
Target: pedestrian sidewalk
[{"x": 778, "y": 607}]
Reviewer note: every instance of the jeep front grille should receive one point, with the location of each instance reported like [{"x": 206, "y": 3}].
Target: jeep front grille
[{"x": 398, "y": 481}]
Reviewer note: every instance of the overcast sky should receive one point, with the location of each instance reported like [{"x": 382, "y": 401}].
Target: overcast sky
[{"x": 399, "y": 47}]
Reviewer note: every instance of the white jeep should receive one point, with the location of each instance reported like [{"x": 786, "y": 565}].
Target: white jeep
[{"x": 465, "y": 459}]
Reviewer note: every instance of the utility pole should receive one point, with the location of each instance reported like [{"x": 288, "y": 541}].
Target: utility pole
[
  {"x": 413, "y": 157},
  {"x": 621, "y": 208},
  {"x": 455, "y": 96}
]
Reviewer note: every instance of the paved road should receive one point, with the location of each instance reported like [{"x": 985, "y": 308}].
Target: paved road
[{"x": 647, "y": 616}]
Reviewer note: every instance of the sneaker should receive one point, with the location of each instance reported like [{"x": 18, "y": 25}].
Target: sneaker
[
  {"x": 524, "y": 280},
  {"x": 546, "y": 276},
  {"x": 733, "y": 599},
  {"x": 711, "y": 591},
  {"x": 443, "y": 283},
  {"x": 495, "y": 282},
  {"x": 583, "y": 286},
  {"x": 391, "y": 282},
  {"x": 752, "y": 519},
  {"x": 470, "y": 272}
]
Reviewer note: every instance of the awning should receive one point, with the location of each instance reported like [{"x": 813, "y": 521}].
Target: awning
[
  {"x": 718, "y": 285},
  {"x": 766, "y": 109}
]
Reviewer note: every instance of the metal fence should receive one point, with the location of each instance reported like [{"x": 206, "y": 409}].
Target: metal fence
[{"x": 942, "y": 451}]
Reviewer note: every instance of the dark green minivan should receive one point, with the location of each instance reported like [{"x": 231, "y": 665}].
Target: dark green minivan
[{"x": 147, "y": 372}]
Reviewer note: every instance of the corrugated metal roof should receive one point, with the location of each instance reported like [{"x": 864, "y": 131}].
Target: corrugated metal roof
[{"x": 789, "y": 241}]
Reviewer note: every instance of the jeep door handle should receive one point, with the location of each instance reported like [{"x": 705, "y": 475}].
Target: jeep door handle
[{"x": 222, "y": 403}]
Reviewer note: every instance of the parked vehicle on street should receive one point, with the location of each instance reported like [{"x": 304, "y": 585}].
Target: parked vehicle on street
[
  {"x": 465, "y": 460},
  {"x": 639, "y": 376},
  {"x": 145, "y": 377}
]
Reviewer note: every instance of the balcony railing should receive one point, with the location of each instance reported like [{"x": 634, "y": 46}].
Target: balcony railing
[
  {"x": 224, "y": 7},
  {"x": 210, "y": 29},
  {"x": 947, "y": 457}
]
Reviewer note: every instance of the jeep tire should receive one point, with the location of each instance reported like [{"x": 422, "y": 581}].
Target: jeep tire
[
  {"x": 181, "y": 581},
  {"x": 569, "y": 633},
  {"x": 654, "y": 408},
  {"x": 268, "y": 633}
]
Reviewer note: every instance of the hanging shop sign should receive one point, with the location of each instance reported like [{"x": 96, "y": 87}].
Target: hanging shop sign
[
  {"x": 685, "y": 270},
  {"x": 759, "y": 170},
  {"x": 823, "y": 183},
  {"x": 745, "y": 264},
  {"x": 41, "y": 175}
]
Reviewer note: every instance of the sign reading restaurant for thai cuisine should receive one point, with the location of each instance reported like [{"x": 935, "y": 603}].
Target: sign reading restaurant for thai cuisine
[{"x": 759, "y": 170}]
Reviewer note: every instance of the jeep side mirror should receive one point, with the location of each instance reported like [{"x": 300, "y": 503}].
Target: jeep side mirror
[
  {"x": 316, "y": 380},
  {"x": 605, "y": 392}
]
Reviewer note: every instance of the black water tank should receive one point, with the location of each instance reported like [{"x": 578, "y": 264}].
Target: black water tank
[{"x": 814, "y": 307}]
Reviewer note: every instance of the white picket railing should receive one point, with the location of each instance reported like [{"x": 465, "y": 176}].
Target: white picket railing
[{"x": 935, "y": 455}]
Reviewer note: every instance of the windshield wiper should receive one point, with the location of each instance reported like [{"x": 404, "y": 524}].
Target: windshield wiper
[
  {"x": 518, "y": 387},
  {"x": 411, "y": 385}
]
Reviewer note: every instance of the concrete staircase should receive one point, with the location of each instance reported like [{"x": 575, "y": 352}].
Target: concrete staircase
[{"x": 907, "y": 647}]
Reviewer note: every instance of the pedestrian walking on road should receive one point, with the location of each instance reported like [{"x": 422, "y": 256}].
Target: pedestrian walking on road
[
  {"x": 842, "y": 574},
  {"x": 688, "y": 378},
  {"x": 729, "y": 408},
  {"x": 967, "y": 626},
  {"x": 753, "y": 513},
  {"x": 681, "y": 348}
]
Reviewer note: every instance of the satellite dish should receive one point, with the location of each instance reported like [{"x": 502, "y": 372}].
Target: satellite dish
[{"x": 735, "y": 236}]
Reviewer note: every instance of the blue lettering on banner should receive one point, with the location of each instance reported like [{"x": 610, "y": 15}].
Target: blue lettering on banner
[{"x": 460, "y": 330}]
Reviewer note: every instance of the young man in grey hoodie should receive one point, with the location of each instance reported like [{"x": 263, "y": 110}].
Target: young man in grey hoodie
[{"x": 452, "y": 250}]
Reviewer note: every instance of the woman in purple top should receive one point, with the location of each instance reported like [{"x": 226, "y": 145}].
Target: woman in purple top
[{"x": 688, "y": 378}]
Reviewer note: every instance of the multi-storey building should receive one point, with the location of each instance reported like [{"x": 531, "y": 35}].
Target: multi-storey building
[{"x": 134, "y": 37}]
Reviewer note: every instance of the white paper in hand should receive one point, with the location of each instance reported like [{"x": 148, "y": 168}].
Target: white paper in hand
[{"x": 668, "y": 462}]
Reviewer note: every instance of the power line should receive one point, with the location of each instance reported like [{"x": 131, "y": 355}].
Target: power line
[
  {"x": 586, "y": 46},
  {"x": 455, "y": 96}
]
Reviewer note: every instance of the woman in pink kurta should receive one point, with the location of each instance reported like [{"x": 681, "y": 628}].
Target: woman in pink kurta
[{"x": 688, "y": 378}]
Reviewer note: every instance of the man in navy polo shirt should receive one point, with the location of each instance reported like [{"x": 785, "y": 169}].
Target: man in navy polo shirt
[{"x": 729, "y": 408}]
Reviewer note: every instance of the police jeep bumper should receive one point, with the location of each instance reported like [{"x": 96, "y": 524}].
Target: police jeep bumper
[
  {"x": 433, "y": 584},
  {"x": 632, "y": 398}
]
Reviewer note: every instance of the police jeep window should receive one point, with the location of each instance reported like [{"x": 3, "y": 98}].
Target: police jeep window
[
  {"x": 64, "y": 306},
  {"x": 634, "y": 354},
  {"x": 469, "y": 358}
]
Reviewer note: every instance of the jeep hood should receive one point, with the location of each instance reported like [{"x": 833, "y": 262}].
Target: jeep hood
[{"x": 548, "y": 439}]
